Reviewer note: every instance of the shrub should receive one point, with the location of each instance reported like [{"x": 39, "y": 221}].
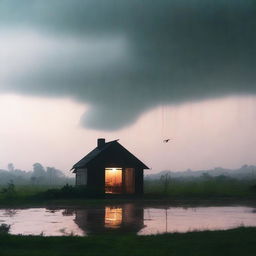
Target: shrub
[
  {"x": 253, "y": 188},
  {"x": 9, "y": 191},
  {"x": 68, "y": 191},
  {"x": 4, "y": 229}
]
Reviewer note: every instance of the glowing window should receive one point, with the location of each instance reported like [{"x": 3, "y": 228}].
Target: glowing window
[{"x": 113, "y": 180}]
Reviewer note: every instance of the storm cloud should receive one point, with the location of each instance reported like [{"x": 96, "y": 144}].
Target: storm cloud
[{"x": 124, "y": 57}]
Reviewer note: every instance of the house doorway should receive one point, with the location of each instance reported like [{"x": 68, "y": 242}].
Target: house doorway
[{"x": 113, "y": 180}]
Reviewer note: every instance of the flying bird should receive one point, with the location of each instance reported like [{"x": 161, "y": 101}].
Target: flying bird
[{"x": 166, "y": 141}]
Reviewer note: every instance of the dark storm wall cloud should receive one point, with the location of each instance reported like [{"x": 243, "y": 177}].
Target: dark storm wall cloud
[{"x": 149, "y": 53}]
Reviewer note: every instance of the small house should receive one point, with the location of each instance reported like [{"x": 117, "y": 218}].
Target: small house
[{"x": 110, "y": 169}]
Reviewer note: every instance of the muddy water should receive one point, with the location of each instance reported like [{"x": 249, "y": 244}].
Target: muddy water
[{"x": 125, "y": 218}]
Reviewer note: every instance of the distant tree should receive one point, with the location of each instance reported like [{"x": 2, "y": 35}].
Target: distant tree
[
  {"x": 222, "y": 178},
  {"x": 4, "y": 229},
  {"x": 33, "y": 180},
  {"x": 38, "y": 170},
  {"x": 53, "y": 174},
  {"x": 206, "y": 176},
  {"x": 10, "y": 167},
  {"x": 9, "y": 191},
  {"x": 166, "y": 180}
]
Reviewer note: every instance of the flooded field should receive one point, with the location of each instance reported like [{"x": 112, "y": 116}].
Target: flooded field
[{"x": 125, "y": 218}]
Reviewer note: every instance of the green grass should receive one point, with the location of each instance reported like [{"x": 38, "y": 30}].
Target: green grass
[
  {"x": 236, "y": 242},
  {"x": 22, "y": 194},
  {"x": 201, "y": 187},
  {"x": 27, "y": 190}
]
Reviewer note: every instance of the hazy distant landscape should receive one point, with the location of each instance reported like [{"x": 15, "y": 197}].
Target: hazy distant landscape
[
  {"x": 39, "y": 175},
  {"x": 244, "y": 172},
  {"x": 217, "y": 182},
  {"x": 51, "y": 183}
]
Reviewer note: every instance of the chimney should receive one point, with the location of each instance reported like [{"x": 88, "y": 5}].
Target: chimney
[{"x": 101, "y": 142}]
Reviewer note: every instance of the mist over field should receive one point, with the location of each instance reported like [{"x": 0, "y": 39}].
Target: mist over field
[
  {"x": 39, "y": 175},
  {"x": 244, "y": 172}
]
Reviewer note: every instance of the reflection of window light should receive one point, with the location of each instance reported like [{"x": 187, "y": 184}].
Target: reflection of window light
[{"x": 113, "y": 217}]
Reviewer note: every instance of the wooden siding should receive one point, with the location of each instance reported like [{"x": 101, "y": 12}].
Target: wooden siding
[{"x": 81, "y": 177}]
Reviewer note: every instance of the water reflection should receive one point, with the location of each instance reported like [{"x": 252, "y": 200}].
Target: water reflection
[
  {"x": 122, "y": 218},
  {"x": 113, "y": 217},
  {"x": 10, "y": 212},
  {"x": 37, "y": 221},
  {"x": 68, "y": 212}
]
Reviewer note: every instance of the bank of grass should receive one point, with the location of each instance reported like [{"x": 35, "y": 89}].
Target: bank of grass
[
  {"x": 236, "y": 242},
  {"x": 202, "y": 187},
  {"x": 25, "y": 192},
  {"x": 166, "y": 188},
  {"x": 12, "y": 192}
]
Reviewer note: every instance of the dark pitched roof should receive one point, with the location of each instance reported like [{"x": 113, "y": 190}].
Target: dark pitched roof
[
  {"x": 97, "y": 151},
  {"x": 91, "y": 155}
]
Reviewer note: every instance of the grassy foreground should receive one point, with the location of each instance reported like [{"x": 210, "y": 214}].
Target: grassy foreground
[{"x": 240, "y": 241}]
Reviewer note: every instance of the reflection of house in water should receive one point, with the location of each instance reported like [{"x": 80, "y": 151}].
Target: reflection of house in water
[{"x": 122, "y": 218}]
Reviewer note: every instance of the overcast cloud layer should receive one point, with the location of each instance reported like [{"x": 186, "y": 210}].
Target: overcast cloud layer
[{"x": 124, "y": 57}]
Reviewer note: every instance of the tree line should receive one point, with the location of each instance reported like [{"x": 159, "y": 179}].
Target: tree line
[{"x": 39, "y": 175}]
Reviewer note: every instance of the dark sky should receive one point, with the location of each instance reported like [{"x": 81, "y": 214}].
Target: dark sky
[{"x": 124, "y": 57}]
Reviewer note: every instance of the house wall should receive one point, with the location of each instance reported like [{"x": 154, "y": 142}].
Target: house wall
[
  {"x": 139, "y": 181},
  {"x": 129, "y": 180},
  {"x": 96, "y": 178},
  {"x": 81, "y": 177}
]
